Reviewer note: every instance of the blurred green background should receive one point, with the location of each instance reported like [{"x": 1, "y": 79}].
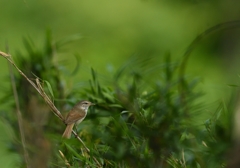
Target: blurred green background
[
  {"x": 114, "y": 31},
  {"x": 110, "y": 32}
]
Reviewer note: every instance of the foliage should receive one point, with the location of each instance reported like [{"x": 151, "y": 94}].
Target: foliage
[{"x": 144, "y": 117}]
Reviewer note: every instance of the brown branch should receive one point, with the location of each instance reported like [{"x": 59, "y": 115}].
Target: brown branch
[{"x": 39, "y": 89}]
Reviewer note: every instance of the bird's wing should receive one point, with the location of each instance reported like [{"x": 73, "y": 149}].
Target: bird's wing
[{"x": 73, "y": 117}]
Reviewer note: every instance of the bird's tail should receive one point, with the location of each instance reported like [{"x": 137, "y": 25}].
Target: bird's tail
[{"x": 68, "y": 131}]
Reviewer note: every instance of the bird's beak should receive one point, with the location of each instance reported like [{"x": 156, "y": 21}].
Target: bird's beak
[{"x": 92, "y": 104}]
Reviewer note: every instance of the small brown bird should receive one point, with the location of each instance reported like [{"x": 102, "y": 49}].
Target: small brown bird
[{"x": 76, "y": 116}]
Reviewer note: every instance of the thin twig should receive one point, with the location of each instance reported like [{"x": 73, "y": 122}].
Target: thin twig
[
  {"x": 39, "y": 89},
  {"x": 65, "y": 159},
  {"x": 19, "y": 115}
]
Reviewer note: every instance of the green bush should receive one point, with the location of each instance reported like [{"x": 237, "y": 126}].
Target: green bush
[{"x": 145, "y": 116}]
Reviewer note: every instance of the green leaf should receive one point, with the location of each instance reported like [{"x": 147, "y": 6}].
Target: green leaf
[
  {"x": 73, "y": 151},
  {"x": 49, "y": 88},
  {"x": 82, "y": 158},
  {"x": 78, "y": 64},
  {"x": 68, "y": 40},
  {"x": 93, "y": 75},
  {"x": 232, "y": 85}
]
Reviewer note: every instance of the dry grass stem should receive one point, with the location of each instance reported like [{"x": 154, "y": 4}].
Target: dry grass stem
[
  {"x": 64, "y": 158},
  {"x": 4, "y": 54},
  {"x": 183, "y": 158},
  {"x": 19, "y": 114},
  {"x": 48, "y": 100}
]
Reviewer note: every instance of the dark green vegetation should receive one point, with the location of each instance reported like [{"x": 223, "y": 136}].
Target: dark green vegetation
[{"x": 147, "y": 115}]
